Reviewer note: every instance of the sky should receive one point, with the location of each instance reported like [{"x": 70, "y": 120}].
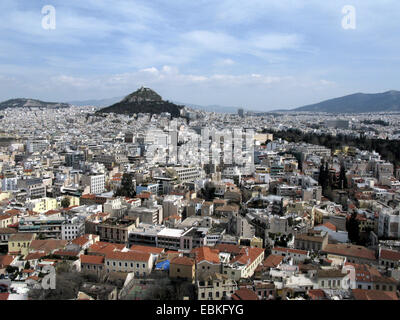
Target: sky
[{"x": 256, "y": 54}]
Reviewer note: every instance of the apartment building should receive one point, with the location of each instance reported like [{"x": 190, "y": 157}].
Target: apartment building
[
  {"x": 19, "y": 243},
  {"x": 182, "y": 268},
  {"x": 72, "y": 228},
  {"x": 95, "y": 182},
  {"x": 215, "y": 287},
  {"x": 130, "y": 261},
  {"x": 116, "y": 231},
  {"x": 34, "y": 187},
  {"x": 184, "y": 174}
]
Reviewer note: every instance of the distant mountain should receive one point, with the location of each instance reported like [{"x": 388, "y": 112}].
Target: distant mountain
[
  {"x": 143, "y": 100},
  {"x": 96, "y": 103},
  {"x": 31, "y": 103},
  {"x": 357, "y": 103}
]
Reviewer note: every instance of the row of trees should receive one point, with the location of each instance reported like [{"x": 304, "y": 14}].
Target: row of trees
[{"x": 388, "y": 149}]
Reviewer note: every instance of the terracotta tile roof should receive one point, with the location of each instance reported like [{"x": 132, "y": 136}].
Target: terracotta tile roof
[
  {"x": 92, "y": 259},
  {"x": 230, "y": 248},
  {"x": 128, "y": 256},
  {"x": 144, "y": 195},
  {"x": 348, "y": 250},
  {"x": 13, "y": 212},
  {"x": 4, "y": 296},
  {"x": 88, "y": 196},
  {"x": 34, "y": 256},
  {"x": 47, "y": 246},
  {"x": 206, "y": 254},
  {"x": 103, "y": 248},
  {"x": 50, "y": 212},
  {"x": 244, "y": 294},
  {"x": 6, "y": 260},
  {"x": 297, "y": 251},
  {"x": 247, "y": 256},
  {"x": 7, "y": 231},
  {"x": 147, "y": 249},
  {"x": 272, "y": 261},
  {"x": 330, "y": 226},
  {"x": 183, "y": 261},
  {"x": 81, "y": 241},
  {"x": 5, "y": 216},
  {"x": 21, "y": 237},
  {"x": 28, "y": 271},
  {"x": 317, "y": 294},
  {"x": 361, "y": 294},
  {"x": 390, "y": 255}
]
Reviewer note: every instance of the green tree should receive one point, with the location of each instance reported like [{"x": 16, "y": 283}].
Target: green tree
[
  {"x": 65, "y": 202},
  {"x": 342, "y": 178},
  {"x": 27, "y": 265},
  {"x": 353, "y": 228},
  {"x": 127, "y": 188}
]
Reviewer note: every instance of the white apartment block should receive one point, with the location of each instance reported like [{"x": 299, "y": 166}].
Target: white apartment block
[
  {"x": 95, "y": 182},
  {"x": 72, "y": 229}
]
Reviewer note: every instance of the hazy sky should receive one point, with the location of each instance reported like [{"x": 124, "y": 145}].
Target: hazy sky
[{"x": 258, "y": 54}]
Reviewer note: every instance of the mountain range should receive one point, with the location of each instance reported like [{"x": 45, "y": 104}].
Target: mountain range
[
  {"x": 31, "y": 103},
  {"x": 146, "y": 100},
  {"x": 388, "y": 101}
]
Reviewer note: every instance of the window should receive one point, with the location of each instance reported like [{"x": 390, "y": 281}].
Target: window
[
  {"x": 203, "y": 295},
  {"x": 178, "y": 270}
]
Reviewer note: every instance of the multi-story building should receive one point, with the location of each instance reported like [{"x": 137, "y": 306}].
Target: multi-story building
[
  {"x": 389, "y": 224},
  {"x": 182, "y": 268},
  {"x": 19, "y": 243},
  {"x": 72, "y": 228},
  {"x": 184, "y": 174},
  {"x": 130, "y": 261},
  {"x": 116, "y": 230},
  {"x": 96, "y": 182},
  {"x": 34, "y": 187},
  {"x": 215, "y": 287},
  {"x": 313, "y": 240}
]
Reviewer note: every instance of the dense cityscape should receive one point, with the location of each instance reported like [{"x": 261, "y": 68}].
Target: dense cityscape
[
  {"x": 204, "y": 206},
  {"x": 208, "y": 158}
]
